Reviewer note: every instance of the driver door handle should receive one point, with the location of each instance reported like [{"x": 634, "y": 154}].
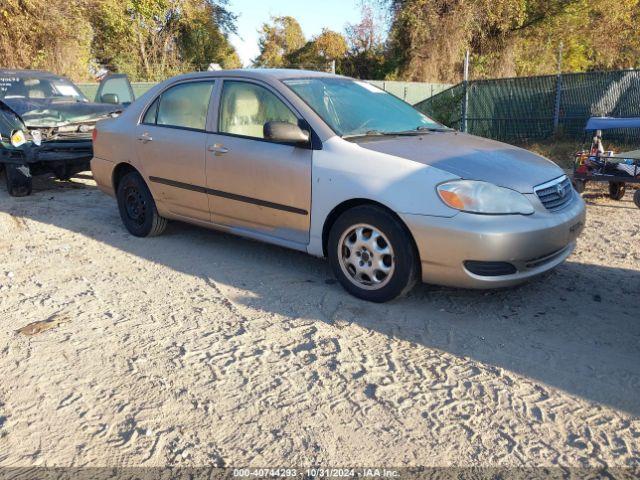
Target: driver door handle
[
  {"x": 144, "y": 138},
  {"x": 218, "y": 149}
]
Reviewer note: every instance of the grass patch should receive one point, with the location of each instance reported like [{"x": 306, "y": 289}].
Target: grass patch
[{"x": 560, "y": 151}]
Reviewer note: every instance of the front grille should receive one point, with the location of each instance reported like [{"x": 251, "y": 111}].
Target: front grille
[{"x": 555, "y": 194}]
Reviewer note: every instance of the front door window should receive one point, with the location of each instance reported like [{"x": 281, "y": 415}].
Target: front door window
[{"x": 246, "y": 107}]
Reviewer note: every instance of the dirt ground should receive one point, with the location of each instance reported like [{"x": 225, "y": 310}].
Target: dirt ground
[{"x": 200, "y": 348}]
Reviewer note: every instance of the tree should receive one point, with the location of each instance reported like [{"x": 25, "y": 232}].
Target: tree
[
  {"x": 510, "y": 37},
  {"x": 153, "y": 39},
  {"x": 366, "y": 55},
  {"x": 280, "y": 38},
  {"x": 320, "y": 52},
  {"x": 46, "y": 34}
]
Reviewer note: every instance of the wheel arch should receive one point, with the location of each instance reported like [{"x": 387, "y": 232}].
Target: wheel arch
[
  {"x": 120, "y": 171},
  {"x": 357, "y": 202}
]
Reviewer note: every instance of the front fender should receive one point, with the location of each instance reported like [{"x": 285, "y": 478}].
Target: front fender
[{"x": 344, "y": 171}]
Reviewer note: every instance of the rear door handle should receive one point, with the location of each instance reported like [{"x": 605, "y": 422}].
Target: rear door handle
[
  {"x": 144, "y": 138},
  {"x": 218, "y": 149}
]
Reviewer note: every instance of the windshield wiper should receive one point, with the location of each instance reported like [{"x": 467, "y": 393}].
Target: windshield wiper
[
  {"x": 369, "y": 133},
  {"x": 420, "y": 130},
  {"x": 423, "y": 128}
]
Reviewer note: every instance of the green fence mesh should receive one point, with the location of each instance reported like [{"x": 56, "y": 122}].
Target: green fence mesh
[{"x": 538, "y": 108}]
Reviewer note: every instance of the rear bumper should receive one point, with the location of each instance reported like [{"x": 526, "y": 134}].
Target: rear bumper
[
  {"x": 102, "y": 171},
  {"x": 532, "y": 244}
]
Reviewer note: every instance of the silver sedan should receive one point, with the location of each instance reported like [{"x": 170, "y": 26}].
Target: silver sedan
[{"x": 337, "y": 168}]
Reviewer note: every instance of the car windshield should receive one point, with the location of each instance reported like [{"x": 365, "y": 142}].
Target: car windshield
[
  {"x": 34, "y": 88},
  {"x": 354, "y": 108}
]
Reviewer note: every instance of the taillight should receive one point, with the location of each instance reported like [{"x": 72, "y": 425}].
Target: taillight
[{"x": 94, "y": 135}]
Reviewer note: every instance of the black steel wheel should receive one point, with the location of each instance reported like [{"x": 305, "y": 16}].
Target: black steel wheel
[{"x": 137, "y": 208}]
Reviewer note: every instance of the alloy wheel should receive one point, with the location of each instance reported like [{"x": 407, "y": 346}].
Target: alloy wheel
[{"x": 366, "y": 257}]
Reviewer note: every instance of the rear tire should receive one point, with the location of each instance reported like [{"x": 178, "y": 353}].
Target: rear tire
[
  {"x": 19, "y": 180},
  {"x": 137, "y": 208},
  {"x": 616, "y": 190},
  {"x": 366, "y": 236},
  {"x": 636, "y": 198}
]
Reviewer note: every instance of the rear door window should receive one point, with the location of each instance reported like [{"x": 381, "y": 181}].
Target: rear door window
[
  {"x": 150, "y": 116},
  {"x": 185, "y": 105}
]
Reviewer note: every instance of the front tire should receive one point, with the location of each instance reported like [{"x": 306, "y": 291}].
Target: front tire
[
  {"x": 19, "y": 180},
  {"x": 137, "y": 208},
  {"x": 372, "y": 255}
]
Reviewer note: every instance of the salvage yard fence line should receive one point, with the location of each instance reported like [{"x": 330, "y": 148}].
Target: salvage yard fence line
[
  {"x": 90, "y": 89},
  {"x": 411, "y": 92},
  {"x": 537, "y": 108}
]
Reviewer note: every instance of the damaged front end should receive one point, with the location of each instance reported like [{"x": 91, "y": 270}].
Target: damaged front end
[{"x": 39, "y": 139}]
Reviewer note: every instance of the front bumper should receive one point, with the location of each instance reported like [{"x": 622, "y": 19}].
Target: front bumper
[
  {"x": 533, "y": 244},
  {"x": 73, "y": 151}
]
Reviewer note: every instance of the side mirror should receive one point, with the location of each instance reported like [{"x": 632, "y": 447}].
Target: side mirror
[
  {"x": 285, "y": 132},
  {"x": 110, "y": 98}
]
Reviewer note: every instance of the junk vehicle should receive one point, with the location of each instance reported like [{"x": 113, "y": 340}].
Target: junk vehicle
[
  {"x": 46, "y": 124},
  {"x": 598, "y": 165}
]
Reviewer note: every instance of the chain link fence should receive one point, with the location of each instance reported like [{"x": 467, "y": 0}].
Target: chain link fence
[{"x": 538, "y": 108}]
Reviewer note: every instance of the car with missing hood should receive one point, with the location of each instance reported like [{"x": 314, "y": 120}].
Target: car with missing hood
[
  {"x": 46, "y": 124},
  {"x": 337, "y": 168}
]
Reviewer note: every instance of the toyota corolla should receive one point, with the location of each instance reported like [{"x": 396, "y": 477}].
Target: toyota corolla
[{"x": 340, "y": 169}]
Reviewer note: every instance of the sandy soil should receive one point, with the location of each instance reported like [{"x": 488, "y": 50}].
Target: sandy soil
[{"x": 199, "y": 348}]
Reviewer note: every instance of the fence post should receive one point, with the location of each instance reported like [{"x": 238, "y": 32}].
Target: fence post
[
  {"x": 465, "y": 83},
  {"x": 556, "y": 110}
]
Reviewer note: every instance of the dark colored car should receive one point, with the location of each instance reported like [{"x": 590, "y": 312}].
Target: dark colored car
[{"x": 46, "y": 124}]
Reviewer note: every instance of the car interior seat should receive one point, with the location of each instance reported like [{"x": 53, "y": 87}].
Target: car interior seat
[{"x": 242, "y": 113}]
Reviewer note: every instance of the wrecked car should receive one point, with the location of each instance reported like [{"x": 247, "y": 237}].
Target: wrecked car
[{"x": 46, "y": 124}]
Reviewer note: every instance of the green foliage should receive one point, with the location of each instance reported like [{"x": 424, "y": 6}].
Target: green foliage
[
  {"x": 319, "y": 52},
  {"x": 146, "y": 39},
  {"x": 366, "y": 56},
  {"x": 46, "y": 34},
  {"x": 278, "y": 40},
  {"x": 283, "y": 45},
  {"x": 510, "y": 37},
  {"x": 154, "y": 39}
]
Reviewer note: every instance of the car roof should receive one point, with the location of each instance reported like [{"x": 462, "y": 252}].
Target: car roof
[
  {"x": 262, "y": 73},
  {"x": 267, "y": 73},
  {"x": 28, "y": 73}
]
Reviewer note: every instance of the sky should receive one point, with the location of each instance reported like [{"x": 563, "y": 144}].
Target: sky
[{"x": 312, "y": 15}]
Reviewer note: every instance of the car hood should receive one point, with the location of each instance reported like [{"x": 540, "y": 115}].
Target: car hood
[
  {"x": 51, "y": 112},
  {"x": 470, "y": 157}
]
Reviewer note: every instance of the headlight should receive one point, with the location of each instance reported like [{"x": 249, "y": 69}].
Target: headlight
[
  {"x": 18, "y": 138},
  {"x": 483, "y": 197}
]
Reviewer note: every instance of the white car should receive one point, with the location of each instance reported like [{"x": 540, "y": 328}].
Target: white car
[{"x": 337, "y": 168}]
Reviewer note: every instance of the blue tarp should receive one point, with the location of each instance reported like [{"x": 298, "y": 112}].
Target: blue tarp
[{"x": 608, "y": 123}]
